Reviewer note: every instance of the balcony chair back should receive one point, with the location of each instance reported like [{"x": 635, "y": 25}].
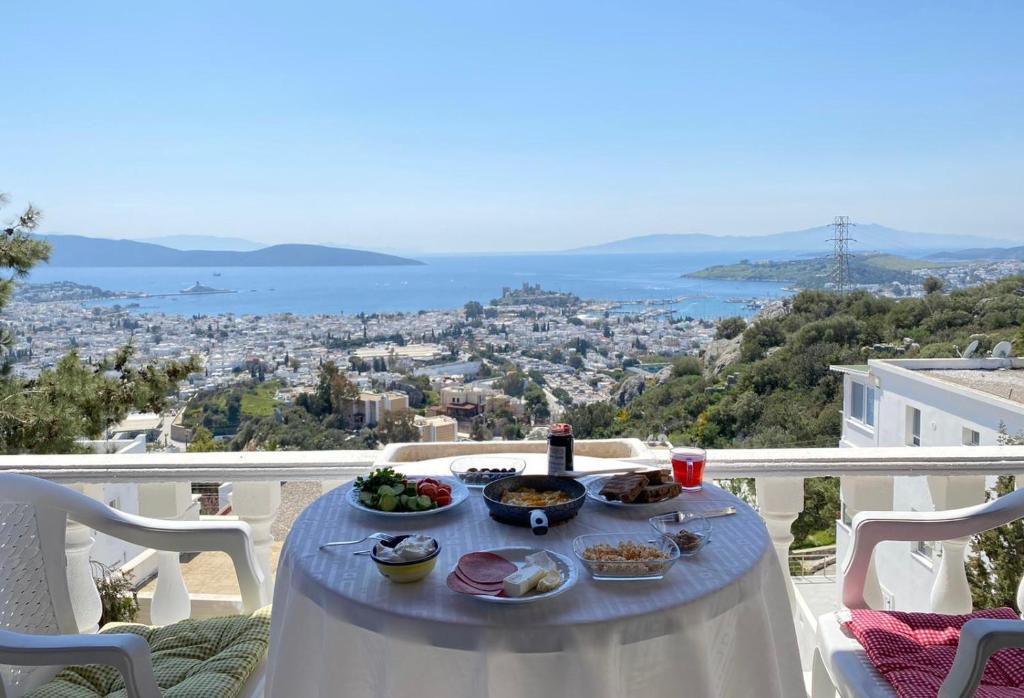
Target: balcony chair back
[{"x": 34, "y": 592}]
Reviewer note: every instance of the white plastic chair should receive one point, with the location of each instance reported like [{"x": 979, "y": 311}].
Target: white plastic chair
[
  {"x": 38, "y": 631},
  {"x": 840, "y": 662}
]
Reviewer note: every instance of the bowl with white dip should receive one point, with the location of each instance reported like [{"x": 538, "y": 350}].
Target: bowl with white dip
[{"x": 407, "y": 558}]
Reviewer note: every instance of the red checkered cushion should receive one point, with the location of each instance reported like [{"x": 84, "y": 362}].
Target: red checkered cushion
[{"x": 914, "y": 651}]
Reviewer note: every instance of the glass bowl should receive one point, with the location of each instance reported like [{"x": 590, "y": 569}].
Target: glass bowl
[
  {"x": 640, "y": 568},
  {"x": 689, "y": 531},
  {"x": 479, "y": 471}
]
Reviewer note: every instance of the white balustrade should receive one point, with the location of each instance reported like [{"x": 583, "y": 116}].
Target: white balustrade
[
  {"x": 780, "y": 501},
  {"x": 168, "y": 500},
  {"x": 257, "y": 503},
  {"x": 85, "y": 598},
  {"x": 951, "y": 592},
  {"x": 872, "y": 493}
]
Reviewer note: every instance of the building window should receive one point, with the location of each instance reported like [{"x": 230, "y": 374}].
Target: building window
[
  {"x": 869, "y": 406},
  {"x": 971, "y": 437},
  {"x": 857, "y": 401},
  {"x": 862, "y": 403},
  {"x": 913, "y": 426}
]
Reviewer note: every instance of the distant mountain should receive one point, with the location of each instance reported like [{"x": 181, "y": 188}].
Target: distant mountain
[
  {"x": 867, "y": 236},
  {"x": 80, "y": 251},
  {"x": 204, "y": 242},
  {"x": 993, "y": 253}
]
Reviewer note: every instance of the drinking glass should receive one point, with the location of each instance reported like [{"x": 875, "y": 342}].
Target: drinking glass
[{"x": 688, "y": 467}]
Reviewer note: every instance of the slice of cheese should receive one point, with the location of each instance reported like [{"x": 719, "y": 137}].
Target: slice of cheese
[{"x": 522, "y": 580}]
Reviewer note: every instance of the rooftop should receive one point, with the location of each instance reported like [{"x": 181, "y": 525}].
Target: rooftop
[{"x": 1007, "y": 383}]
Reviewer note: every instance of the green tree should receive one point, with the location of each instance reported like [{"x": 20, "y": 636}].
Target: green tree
[
  {"x": 72, "y": 400},
  {"x": 996, "y": 563},
  {"x": 536, "y": 403},
  {"x": 932, "y": 284},
  {"x": 478, "y": 431},
  {"x": 730, "y": 327},
  {"x": 203, "y": 442},
  {"x": 473, "y": 310},
  {"x": 397, "y": 426},
  {"x": 512, "y": 383}
]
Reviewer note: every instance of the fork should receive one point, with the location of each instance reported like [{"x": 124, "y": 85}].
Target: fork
[{"x": 382, "y": 537}]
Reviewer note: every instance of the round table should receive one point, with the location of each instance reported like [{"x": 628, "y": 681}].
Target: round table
[{"x": 718, "y": 624}]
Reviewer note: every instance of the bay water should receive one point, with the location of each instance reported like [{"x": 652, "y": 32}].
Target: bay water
[{"x": 441, "y": 283}]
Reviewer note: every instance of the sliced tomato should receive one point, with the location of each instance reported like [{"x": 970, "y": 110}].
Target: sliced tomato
[
  {"x": 443, "y": 499},
  {"x": 444, "y": 488},
  {"x": 430, "y": 481},
  {"x": 428, "y": 489}
]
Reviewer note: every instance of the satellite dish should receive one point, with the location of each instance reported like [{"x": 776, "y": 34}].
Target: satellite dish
[
  {"x": 1002, "y": 350},
  {"x": 969, "y": 351}
]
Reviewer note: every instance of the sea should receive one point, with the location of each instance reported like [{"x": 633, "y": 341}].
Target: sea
[{"x": 637, "y": 281}]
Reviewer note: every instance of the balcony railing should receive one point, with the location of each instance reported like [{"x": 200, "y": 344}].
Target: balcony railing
[{"x": 955, "y": 477}]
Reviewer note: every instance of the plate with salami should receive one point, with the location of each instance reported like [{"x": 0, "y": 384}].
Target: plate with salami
[{"x": 513, "y": 575}]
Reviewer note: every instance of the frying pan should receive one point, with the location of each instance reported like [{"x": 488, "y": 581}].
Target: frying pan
[{"x": 536, "y": 518}]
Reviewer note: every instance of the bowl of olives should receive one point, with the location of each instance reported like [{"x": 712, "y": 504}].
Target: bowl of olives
[{"x": 479, "y": 471}]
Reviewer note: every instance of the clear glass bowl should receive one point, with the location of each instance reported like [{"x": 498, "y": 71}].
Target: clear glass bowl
[
  {"x": 628, "y": 569},
  {"x": 689, "y": 531},
  {"x": 478, "y": 471}
]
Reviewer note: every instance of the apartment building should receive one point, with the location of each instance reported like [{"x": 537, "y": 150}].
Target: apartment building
[
  {"x": 370, "y": 407},
  {"x": 926, "y": 402},
  {"x": 465, "y": 402},
  {"x": 437, "y": 428}
]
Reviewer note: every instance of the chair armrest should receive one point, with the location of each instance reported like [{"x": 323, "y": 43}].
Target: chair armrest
[
  {"x": 979, "y": 639},
  {"x": 872, "y": 527},
  {"x": 231, "y": 537},
  {"x": 127, "y": 653}
]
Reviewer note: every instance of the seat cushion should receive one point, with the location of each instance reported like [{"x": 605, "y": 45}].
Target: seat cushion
[
  {"x": 847, "y": 663},
  {"x": 915, "y": 651},
  {"x": 207, "y": 658}
]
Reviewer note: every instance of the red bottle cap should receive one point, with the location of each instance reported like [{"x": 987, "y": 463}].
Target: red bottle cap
[{"x": 561, "y": 430}]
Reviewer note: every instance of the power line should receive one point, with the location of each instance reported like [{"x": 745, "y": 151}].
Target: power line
[{"x": 839, "y": 274}]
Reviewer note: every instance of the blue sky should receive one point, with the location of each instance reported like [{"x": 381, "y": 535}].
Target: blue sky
[{"x": 521, "y": 125}]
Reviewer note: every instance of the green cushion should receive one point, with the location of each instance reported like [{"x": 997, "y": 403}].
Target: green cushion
[{"x": 208, "y": 658}]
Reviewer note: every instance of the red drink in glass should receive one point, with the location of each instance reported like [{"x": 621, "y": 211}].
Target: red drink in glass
[{"x": 688, "y": 467}]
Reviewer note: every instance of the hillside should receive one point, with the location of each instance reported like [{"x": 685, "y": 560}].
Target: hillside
[
  {"x": 80, "y": 251},
  {"x": 984, "y": 253},
  {"x": 814, "y": 272},
  {"x": 785, "y": 394},
  {"x": 867, "y": 236}
]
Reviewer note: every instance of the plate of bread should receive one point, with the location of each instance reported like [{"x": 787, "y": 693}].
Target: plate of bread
[{"x": 635, "y": 489}]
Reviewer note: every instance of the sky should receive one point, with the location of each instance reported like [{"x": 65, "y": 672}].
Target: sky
[{"x": 487, "y": 126}]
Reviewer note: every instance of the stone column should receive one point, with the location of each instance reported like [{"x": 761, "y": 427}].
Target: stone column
[
  {"x": 872, "y": 493},
  {"x": 169, "y": 500},
  {"x": 257, "y": 503},
  {"x": 780, "y": 500},
  {"x": 950, "y": 591}
]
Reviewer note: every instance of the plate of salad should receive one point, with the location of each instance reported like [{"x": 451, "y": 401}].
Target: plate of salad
[{"x": 386, "y": 492}]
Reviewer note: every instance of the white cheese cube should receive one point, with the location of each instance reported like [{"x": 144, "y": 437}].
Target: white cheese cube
[
  {"x": 543, "y": 560},
  {"x": 522, "y": 580}
]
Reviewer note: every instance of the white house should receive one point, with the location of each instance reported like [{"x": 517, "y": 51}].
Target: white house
[{"x": 926, "y": 402}]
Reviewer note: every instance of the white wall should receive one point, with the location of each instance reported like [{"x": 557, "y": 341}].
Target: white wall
[{"x": 946, "y": 409}]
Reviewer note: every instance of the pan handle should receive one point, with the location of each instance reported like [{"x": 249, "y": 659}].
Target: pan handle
[{"x": 539, "y": 521}]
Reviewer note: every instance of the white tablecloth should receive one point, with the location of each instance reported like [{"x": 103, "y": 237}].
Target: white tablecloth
[{"x": 718, "y": 625}]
